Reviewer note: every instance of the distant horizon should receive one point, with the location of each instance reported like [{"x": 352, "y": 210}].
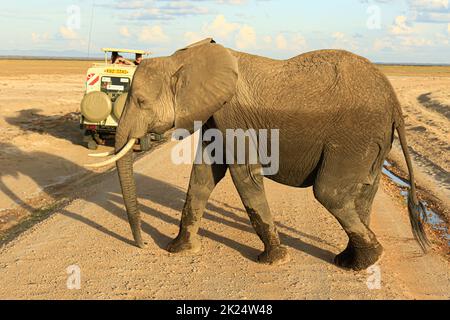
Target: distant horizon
[{"x": 100, "y": 57}]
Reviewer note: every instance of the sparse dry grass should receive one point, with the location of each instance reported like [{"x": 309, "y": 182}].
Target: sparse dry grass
[
  {"x": 416, "y": 71},
  {"x": 14, "y": 68},
  {"x": 22, "y": 67}
]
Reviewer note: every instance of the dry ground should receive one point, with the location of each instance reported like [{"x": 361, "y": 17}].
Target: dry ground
[{"x": 41, "y": 161}]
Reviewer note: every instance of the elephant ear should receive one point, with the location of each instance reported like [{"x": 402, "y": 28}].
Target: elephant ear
[{"x": 204, "y": 82}]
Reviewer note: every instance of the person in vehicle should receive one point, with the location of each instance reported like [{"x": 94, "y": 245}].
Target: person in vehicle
[
  {"x": 116, "y": 58},
  {"x": 138, "y": 59}
]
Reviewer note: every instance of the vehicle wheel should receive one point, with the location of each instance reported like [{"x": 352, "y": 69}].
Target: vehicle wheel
[
  {"x": 89, "y": 141},
  {"x": 86, "y": 135},
  {"x": 98, "y": 139},
  {"x": 92, "y": 145},
  {"x": 146, "y": 143}
]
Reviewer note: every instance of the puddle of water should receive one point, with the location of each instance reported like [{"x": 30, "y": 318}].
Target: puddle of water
[
  {"x": 397, "y": 180},
  {"x": 434, "y": 220},
  {"x": 437, "y": 223}
]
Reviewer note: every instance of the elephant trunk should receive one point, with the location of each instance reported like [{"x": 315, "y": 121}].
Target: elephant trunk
[{"x": 128, "y": 185}]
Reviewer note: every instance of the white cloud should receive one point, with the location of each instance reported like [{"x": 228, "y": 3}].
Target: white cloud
[
  {"x": 343, "y": 41},
  {"x": 72, "y": 40},
  {"x": 338, "y": 35},
  {"x": 291, "y": 42},
  {"x": 220, "y": 27},
  {"x": 39, "y": 38},
  {"x": 267, "y": 40},
  {"x": 235, "y": 2},
  {"x": 281, "y": 42},
  {"x": 192, "y": 37},
  {"x": 403, "y": 43},
  {"x": 223, "y": 30},
  {"x": 416, "y": 42},
  {"x": 123, "y": 31},
  {"x": 246, "y": 38},
  {"x": 139, "y": 4},
  {"x": 430, "y": 4},
  {"x": 166, "y": 10},
  {"x": 448, "y": 28},
  {"x": 407, "y": 35},
  {"x": 400, "y": 26},
  {"x": 430, "y": 11},
  {"x": 67, "y": 34},
  {"x": 298, "y": 41},
  {"x": 153, "y": 34},
  {"x": 382, "y": 44}
]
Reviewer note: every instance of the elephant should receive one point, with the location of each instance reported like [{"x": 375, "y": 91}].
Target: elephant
[{"x": 336, "y": 113}]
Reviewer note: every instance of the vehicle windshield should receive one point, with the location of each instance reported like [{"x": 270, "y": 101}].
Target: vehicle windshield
[{"x": 129, "y": 57}]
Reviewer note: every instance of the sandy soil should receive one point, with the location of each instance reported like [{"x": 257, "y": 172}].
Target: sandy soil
[
  {"x": 41, "y": 161},
  {"x": 93, "y": 234},
  {"x": 40, "y": 137}
]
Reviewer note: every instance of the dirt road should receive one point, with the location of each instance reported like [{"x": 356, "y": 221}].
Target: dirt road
[
  {"x": 41, "y": 160},
  {"x": 93, "y": 234}
]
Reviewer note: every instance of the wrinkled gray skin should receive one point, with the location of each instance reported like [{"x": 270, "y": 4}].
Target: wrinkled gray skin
[{"x": 336, "y": 113}]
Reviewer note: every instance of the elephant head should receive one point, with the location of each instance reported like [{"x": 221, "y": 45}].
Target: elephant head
[{"x": 170, "y": 92}]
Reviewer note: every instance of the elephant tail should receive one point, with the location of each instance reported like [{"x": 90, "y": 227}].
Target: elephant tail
[{"x": 416, "y": 209}]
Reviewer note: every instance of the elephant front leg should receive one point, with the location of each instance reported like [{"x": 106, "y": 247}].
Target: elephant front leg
[
  {"x": 203, "y": 180},
  {"x": 249, "y": 183}
]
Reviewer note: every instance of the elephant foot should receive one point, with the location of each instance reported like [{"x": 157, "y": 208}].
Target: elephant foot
[
  {"x": 274, "y": 256},
  {"x": 359, "y": 258},
  {"x": 138, "y": 241},
  {"x": 141, "y": 245},
  {"x": 190, "y": 246}
]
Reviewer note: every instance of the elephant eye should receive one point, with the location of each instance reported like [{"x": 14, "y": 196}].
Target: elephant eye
[{"x": 140, "y": 101}]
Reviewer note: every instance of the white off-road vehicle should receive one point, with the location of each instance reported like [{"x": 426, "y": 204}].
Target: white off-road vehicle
[{"x": 107, "y": 86}]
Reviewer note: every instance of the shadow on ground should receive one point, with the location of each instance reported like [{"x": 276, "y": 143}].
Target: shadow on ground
[
  {"x": 65, "y": 127},
  {"x": 169, "y": 196}
]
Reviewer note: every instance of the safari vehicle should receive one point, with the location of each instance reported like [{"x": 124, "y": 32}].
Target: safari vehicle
[{"x": 107, "y": 87}]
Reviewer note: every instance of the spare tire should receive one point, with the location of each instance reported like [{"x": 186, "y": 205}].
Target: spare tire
[
  {"x": 119, "y": 105},
  {"x": 96, "y": 106}
]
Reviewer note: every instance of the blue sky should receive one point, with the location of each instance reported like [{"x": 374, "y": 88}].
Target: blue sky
[{"x": 382, "y": 30}]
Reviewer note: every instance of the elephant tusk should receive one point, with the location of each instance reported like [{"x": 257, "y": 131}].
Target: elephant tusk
[
  {"x": 117, "y": 157},
  {"x": 101, "y": 155}
]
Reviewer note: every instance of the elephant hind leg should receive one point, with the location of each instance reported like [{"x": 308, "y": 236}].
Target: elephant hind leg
[
  {"x": 248, "y": 180},
  {"x": 364, "y": 199},
  {"x": 350, "y": 203}
]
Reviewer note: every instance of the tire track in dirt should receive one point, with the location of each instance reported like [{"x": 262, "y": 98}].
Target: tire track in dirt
[{"x": 435, "y": 105}]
